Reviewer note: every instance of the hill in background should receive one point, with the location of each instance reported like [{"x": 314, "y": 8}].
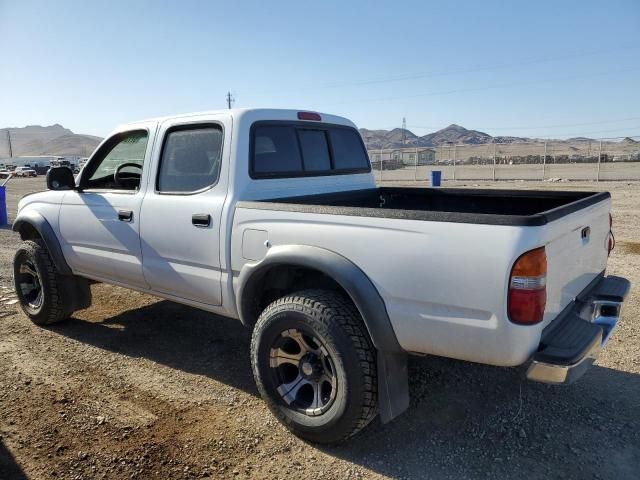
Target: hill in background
[
  {"x": 57, "y": 140},
  {"x": 51, "y": 140},
  {"x": 379, "y": 139}
]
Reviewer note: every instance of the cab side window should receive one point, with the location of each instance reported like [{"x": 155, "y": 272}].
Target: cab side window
[
  {"x": 190, "y": 159},
  {"x": 118, "y": 164}
]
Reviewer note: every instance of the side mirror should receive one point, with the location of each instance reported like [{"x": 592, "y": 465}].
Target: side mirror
[{"x": 60, "y": 178}]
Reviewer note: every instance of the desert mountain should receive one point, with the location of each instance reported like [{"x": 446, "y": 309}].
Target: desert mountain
[
  {"x": 394, "y": 138},
  {"x": 51, "y": 140},
  {"x": 456, "y": 134},
  {"x": 57, "y": 140},
  {"x": 451, "y": 134}
]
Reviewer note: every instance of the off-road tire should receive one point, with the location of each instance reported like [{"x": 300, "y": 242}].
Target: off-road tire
[
  {"x": 52, "y": 308},
  {"x": 333, "y": 319}
]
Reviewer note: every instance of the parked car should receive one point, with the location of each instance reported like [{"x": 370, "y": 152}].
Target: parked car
[
  {"x": 4, "y": 173},
  {"x": 25, "y": 172},
  {"x": 41, "y": 170},
  {"x": 273, "y": 217}
]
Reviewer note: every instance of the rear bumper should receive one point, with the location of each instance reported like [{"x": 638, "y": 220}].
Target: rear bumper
[{"x": 571, "y": 343}]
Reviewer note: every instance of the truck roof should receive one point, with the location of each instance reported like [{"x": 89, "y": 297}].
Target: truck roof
[{"x": 255, "y": 113}]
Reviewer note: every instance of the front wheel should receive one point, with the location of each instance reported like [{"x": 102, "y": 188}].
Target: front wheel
[
  {"x": 38, "y": 284},
  {"x": 314, "y": 365}
]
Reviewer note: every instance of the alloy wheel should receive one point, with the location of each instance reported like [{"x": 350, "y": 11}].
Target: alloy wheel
[
  {"x": 303, "y": 372},
  {"x": 30, "y": 284}
]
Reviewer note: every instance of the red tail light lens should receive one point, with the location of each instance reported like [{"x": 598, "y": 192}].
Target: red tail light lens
[
  {"x": 528, "y": 288},
  {"x": 309, "y": 116}
]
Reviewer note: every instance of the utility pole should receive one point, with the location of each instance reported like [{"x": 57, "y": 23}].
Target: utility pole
[
  {"x": 544, "y": 160},
  {"x": 599, "y": 159},
  {"x": 454, "y": 161},
  {"x": 9, "y": 142},
  {"x": 404, "y": 131},
  {"x": 230, "y": 100},
  {"x": 494, "y": 159}
]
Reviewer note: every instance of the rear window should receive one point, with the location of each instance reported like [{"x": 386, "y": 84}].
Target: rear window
[
  {"x": 276, "y": 150},
  {"x": 282, "y": 149},
  {"x": 315, "y": 150},
  {"x": 347, "y": 148}
]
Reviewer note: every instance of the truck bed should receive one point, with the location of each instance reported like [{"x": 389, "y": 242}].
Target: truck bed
[
  {"x": 441, "y": 258},
  {"x": 483, "y": 206}
]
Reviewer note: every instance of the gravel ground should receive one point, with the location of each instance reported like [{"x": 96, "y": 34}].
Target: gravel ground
[{"x": 136, "y": 387}]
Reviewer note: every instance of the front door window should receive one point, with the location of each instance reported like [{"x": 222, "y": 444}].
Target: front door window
[{"x": 118, "y": 164}]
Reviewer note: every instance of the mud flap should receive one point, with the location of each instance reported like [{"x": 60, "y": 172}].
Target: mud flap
[
  {"x": 393, "y": 384},
  {"x": 77, "y": 293}
]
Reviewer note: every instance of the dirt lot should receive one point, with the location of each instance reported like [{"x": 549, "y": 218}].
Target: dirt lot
[{"x": 135, "y": 387}]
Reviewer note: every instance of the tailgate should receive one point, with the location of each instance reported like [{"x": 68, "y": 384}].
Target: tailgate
[{"x": 576, "y": 253}]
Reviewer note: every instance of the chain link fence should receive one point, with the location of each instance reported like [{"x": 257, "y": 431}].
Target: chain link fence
[{"x": 576, "y": 159}]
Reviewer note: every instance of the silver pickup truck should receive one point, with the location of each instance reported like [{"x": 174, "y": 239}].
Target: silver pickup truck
[{"x": 273, "y": 217}]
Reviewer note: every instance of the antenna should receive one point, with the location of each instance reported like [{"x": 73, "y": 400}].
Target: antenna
[{"x": 230, "y": 100}]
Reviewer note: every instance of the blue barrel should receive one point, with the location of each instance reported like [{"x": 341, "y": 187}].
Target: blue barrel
[
  {"x": 3, "y": 206},
  {"x": 436, "y": 176}
]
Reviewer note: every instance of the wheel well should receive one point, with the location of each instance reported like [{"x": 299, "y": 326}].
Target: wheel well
[
  {"x": 28, "y": 232},
  {"x": 279, "y": 281}
]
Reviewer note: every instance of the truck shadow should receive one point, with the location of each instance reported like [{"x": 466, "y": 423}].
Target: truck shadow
[
  {"x": 465, "y": 420},
  {"x": 174, "y": 335},
  {"x": 9, "y": 468},
  {"x": 474, "y": 421}
]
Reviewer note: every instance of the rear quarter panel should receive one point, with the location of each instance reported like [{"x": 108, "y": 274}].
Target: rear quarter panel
[{"x": 444, "y": 284}]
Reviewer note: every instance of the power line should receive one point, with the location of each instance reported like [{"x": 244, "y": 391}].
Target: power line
[
  {"x": 488, "y": 87},
  {"x": 414, "y": 76}
]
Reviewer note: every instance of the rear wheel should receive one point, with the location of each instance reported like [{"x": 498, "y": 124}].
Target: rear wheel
[
  {"x": 37, "y": 284},
  {"x": 314, "y": 365}
]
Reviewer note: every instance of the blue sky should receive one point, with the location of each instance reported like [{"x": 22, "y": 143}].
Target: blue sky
[{"x": 544, "y": 68}]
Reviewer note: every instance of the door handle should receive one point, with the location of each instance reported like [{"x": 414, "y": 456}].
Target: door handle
[
  {"x": 125, "y": 215},
  {"x": 201, "y": 219}
]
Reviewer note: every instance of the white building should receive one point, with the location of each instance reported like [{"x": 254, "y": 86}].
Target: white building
[
  {"x": 31, "y": 161},
  {"x": 34, "y": 161}
]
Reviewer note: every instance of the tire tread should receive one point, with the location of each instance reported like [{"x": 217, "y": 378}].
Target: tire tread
[
  {"x": 53, "y": 310},
  {"x": 334, "y": 310}
]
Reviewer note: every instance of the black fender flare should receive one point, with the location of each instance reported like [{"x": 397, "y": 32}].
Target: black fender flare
[
  {"x": 44, "y": 229},
  {"x": 77, "y": 292},
  {"x": 393, "y": 379}
]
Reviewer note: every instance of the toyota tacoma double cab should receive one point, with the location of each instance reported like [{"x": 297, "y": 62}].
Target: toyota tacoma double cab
[{"x": 273, "y": 217}]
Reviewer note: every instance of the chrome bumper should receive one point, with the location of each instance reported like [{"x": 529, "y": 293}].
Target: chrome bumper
[{"x": 572, "y": 342}]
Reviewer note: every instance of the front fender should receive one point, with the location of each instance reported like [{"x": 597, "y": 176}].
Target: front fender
[{"x": 33, "y": 219}]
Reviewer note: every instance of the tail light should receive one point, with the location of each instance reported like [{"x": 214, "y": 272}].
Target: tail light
[
  {"x": 528, "y": 288},
  {"x": 611, "y": 243}
]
